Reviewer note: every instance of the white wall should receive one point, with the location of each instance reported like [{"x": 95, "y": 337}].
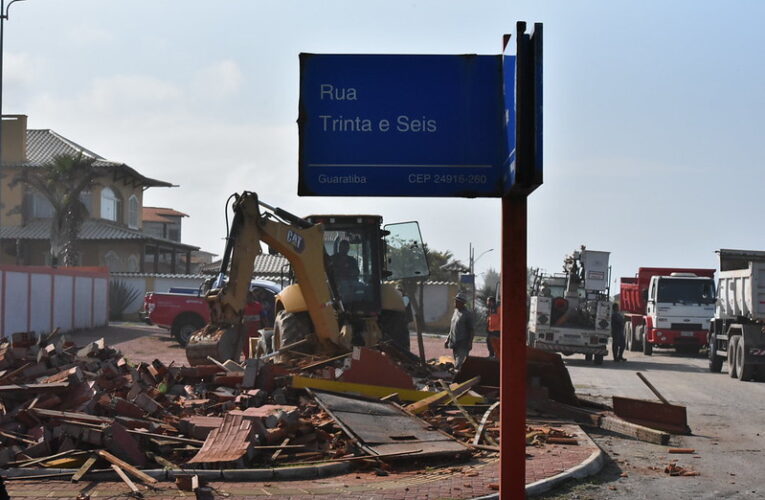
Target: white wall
[{"x": 36, "y": 298}]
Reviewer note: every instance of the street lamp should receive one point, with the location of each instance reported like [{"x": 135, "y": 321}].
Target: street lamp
[
  {"x": 4, "y": 9},
  {"x": 473, "y": 260}
]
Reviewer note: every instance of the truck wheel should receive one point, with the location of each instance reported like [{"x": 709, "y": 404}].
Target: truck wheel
[
  {"x": 184, "y": 326},
  {"x": 732, "y": 362},
  {"x": 715, "y": 361},
  {"x": 639, "y": 336},
  {"x": 745, "y": 370},
  {"x": 598, "y": 359},
  {"x": 588, "y": 357},
  {"x": 647, "y": 346},
  {"x": 629, "y": 337},
  {"x": 395, "y": 327},
  {"x": 290, "y": 328}
]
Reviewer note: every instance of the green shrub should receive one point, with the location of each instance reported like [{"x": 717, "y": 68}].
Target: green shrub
[{"x": 121, "y": 295}]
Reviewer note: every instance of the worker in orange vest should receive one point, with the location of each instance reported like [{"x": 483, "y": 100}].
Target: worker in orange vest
[{"x": 492, "y": 324}]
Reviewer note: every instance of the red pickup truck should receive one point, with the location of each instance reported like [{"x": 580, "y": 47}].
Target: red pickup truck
[{"x": 185, "y": 313}]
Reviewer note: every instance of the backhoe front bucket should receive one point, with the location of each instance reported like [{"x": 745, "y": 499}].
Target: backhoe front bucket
[{"x": 220, "y": 344}]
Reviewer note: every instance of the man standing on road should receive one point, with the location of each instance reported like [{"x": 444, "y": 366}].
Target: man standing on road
[
  {"x": 461, "y": 331},
  {"x": 617, "y": 333}
]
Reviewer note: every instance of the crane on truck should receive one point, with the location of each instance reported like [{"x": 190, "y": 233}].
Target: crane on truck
[
  {"x": 331, "y": 307},
  {"x": 570, "y": 312},
  {"x": 737, "y": 331},
  {"x": 667, "y": 307}
]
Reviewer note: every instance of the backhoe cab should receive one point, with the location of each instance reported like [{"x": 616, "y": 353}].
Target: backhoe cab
[{"x": 339, "y": 300}]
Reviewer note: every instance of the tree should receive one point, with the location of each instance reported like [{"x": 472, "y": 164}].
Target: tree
[
  {"x": 61, "y": 181},
  {"x": 489, "y": 287}
]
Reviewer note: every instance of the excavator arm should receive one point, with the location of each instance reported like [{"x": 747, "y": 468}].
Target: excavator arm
[{"x": 301, "y": 243}]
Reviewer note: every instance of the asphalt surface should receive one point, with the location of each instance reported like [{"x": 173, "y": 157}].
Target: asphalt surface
[{"x": 725, "y": 416}]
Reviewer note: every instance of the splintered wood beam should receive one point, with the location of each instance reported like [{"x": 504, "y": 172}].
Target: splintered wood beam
[
  {"x": 127, "y": 467},
  {"x": 126, "y": 479},
  {"x": 280, "y": 449},
  {"x": 84, "y": 469},
  {"x": 439, "y": 397}
]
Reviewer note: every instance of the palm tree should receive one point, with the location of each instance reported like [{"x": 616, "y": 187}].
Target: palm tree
[{"x": 61, "y": 181}]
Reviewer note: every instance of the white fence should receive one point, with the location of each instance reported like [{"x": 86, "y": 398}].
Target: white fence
[{"x": 40, "y": 299}]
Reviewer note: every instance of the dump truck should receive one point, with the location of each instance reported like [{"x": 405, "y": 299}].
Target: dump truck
[
  {"x": 667, "y": 307},
  {"x": 737, "y": 331},
  {"x": 570, "y": 312},
  {"x": 339, "y": 299}
]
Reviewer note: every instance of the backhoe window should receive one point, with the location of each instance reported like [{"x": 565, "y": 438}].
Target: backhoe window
[
  {"x": 405, "y": 251},
  {"x": 350, "y": 264}
]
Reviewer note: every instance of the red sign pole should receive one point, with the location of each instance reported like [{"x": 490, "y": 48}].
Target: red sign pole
[{"x": 512, "y": 386}]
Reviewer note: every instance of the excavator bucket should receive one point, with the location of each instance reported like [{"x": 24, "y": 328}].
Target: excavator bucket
[{"x": 220, "y": 344}]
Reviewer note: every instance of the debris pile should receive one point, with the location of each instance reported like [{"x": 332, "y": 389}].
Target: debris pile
[
  {"x": 538, "y": 436},
  {"x": 88, "y": 408},
  {"x": 673, "y": 469}
]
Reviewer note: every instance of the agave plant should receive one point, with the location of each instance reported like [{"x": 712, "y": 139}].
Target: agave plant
[{"x": 121, "y": 295}]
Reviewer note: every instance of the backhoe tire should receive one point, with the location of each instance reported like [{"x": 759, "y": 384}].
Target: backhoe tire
[
  {"x": 394, "y": 326},
  {"x": 588, "y": 357},
  {"x": 715, "y": 361},
  {"x": 290, "y": 328},
  {"x": 732, "y": 361},
  {"x": 746, "y": 370},
  {"x": 598, "y": 360},
  {"x": 185, "y": 325}
]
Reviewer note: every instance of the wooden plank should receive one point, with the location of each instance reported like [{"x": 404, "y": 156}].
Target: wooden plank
[
  {"x": 376, "y": 391},
  {"x": 280, "y": 449},
  {"x": 353, "y": 459},
  {"x": 456, "y": 403},
  {"x": 129, "y": 468},
  {"x": 11, "y": 374},
  {"x": 640, "y": 432},
  {"x": 17, "y": 438},
  {"x": 126, "y": 479},
  {"x": 27, "y": 463},
  {"x": 325, "y": 361},
  {"x": 84, "y": 469},
  {"x": 55, "y": 387},
  {"x": 653, "y": 389},
  {"x": 438, "y": 398}
]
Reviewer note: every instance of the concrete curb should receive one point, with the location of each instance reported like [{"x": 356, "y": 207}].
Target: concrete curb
[
  {"x": 591, "y": 466},
  {"x": 271, "y": 473}
]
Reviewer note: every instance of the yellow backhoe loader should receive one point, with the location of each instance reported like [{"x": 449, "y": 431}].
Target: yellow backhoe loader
[{"x": 338, "y": 300}]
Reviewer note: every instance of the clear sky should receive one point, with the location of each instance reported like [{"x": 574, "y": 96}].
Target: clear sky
[{"x": 654, "y": 143}]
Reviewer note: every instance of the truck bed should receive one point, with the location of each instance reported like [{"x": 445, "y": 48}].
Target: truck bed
[{"x": 742, "y": 292}]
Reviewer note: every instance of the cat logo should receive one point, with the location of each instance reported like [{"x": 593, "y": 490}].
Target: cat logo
[{"x": 297, "y": 241}]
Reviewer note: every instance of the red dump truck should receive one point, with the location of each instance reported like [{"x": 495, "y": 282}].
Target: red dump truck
[{"x": 667, "y": 307}]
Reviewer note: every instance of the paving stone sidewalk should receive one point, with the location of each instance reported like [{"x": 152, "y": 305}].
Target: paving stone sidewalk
[{"x": 443, "y": 481}]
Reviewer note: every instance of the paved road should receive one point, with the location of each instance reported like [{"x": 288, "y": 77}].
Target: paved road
[{"x": 725, "y": 416}]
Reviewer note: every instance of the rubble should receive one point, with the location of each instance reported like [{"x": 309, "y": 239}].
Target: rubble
[{"x": 88, "y": 408}]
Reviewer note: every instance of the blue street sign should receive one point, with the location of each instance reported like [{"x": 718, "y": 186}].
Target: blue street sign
[{"x": 404, "y": 125}]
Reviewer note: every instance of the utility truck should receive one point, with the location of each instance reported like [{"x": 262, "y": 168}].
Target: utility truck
[
  {"x": 736, "y": 334},
  {"x": 570, "y": 312},
  {"x": 667, "y": 307}
]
